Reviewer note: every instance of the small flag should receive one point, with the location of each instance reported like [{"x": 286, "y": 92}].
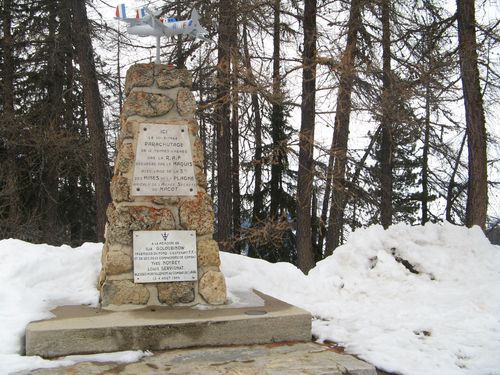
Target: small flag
[
  {"x": 120, "y": 11},
  {"x": 140, "y": 13}
]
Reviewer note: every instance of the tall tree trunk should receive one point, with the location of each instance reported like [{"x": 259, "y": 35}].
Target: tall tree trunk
[
  {"x": 118, "y": 71},
  {"x": 450, "y": 197},
  {"x": 425, "y": 153},
  {"x": 306, "y": 140},
  {"x": 11, "y": 182},
  {"x": 93, "y": 109},
  {"x": 213, "y": 156},
  {"x": 315, "y": 226},
  {"x": 235, "y": 139},
  {"x": 73, "y": 183},
  {"x": 222, "y": 110},
  {"x": 258, "y": 203},
  {"x": 477, "y": 191},
  {"x": 341, "y": 130},
  {"x": 7, "y": 44},
  {"x": 386, "y": 147},
  {"x": 180, "y": 58},
  {"x": 50, "y": 225},
  {"x": 277, "y": 119}
]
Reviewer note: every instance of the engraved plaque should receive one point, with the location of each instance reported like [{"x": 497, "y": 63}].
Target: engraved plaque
[
  {"x": 163, "y": 162},
  {"x": 163, "y": 256}
]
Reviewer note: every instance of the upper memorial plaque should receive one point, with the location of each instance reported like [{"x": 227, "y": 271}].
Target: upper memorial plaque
[{"x": 163, "y": 161}]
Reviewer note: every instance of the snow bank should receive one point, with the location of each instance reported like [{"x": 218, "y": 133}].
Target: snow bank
[
  {"x": 414, "y": 300},
  {"x": 33, "y": 280}
]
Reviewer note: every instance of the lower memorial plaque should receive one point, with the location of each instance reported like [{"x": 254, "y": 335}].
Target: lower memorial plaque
[{"x": 163, "y": 256}]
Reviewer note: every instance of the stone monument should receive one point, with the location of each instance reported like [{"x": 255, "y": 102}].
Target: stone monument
[
  {"x": 159, "y": 248},
  {"x": 159, "y": 258}
]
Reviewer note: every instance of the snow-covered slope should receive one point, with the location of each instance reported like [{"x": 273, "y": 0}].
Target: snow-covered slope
[{"x": 415, "y": 300}]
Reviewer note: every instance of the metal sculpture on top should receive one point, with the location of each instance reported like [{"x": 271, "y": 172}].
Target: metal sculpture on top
[{"x": 146, "y": 24}]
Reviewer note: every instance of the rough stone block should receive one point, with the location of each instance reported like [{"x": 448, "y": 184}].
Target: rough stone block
[
  {"x": 120, "y": 292},
  {"x": 213, "y": 287},
  {"x": 125, "y": 159},
  {"x": 186, "y": 104},
  {"x": 117, "y": 263},
  {"x": 149, "y": 218},
  {"x": 139, "y": 75},
  {"x": 197, "y": 152},
  {"x": 168, "y": 77},
  {"x": 177, "y": 292},
  {"x": 208, "y": 253},
  {"x": 166, "y": 200},
  {"x": 147, "y": 104},
  {"x": 197, "y": 214},
  {"x": 201, "y": 178},
  {"x": 120, "y": 189},
  {"x": 125, "y": 220}
]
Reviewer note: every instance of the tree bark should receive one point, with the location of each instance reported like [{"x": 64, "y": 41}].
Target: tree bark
[
  {"x": 450, "y": 197},
  {"x": 11, "y": 183},
  {"x": 50, "y": 224},
  {"x": 306, "y": 139},
  {"x": 425, "y": 153},
  {"x": 477, "y": 190},
  {"x": 222, "y": 111},
  {"x": 235, "y": 139},
  {"x": 277, "y": 120},
  {"x": 386, "y": 147},
  {"x": 8, "y": 60},
  {"x": 341, "y": 130},
  {"x": 258, "y": 204},
  {"x": 93, "y": 109}
]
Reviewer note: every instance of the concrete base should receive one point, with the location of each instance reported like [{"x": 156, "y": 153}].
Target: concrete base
[{"x": 84, "y": 330}]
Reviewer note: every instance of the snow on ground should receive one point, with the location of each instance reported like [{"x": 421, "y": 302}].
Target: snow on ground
[
  {"x": 33, "y": 280},
  {"x": 413, "y": 300}
]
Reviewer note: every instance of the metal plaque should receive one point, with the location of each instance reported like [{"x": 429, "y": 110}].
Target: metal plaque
[
  {"x": 165, "y": 256},
  {"x": 163, "y": 162}
]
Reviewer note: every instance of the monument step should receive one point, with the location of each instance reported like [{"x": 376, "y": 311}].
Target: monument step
[
  {"x": 271, "y": 359},
  {"x": 256, "y": 319}
]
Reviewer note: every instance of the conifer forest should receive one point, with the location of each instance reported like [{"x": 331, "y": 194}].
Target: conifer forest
[{"x": 317, "y": 116}]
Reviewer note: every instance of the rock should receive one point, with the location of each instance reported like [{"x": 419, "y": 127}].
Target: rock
[
  {"x": 168, "y": 77},
  {"x": 124, "y": 221},
  {"x": 139, "y": 75},
  {"x": 104, "y": 253},
  {"x": 186, "y": 104},
  {"x": 197, "y": 214},
  {"x": 120, "y": 189},
  {"x": 208, "y": 253},
  {"x": 119, "y": 292},
  {"x": 197, "y": 153},
  {"x": 147, "y": 104},
  {"x": 201, "y": 178},
  {"x": 166, "y": 200},
  {"x": 102, "y": 278},
  {"x": 125, "y": 158},
  {"x": 177, "y": 292},
  {"x": 212, "y": 287},
  {"x": 118, "y": 227},
  {"x": 149, "y": 218},
  {"x": 117, "y": 262}
]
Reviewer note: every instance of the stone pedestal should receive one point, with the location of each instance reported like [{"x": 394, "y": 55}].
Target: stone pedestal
[
  {"x": 84, "y": 330},
  {"x": 157, "y": 95}
]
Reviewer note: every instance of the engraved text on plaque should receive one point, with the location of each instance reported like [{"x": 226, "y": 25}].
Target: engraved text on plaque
[
  {"x": 163, "y": 161},
  {"x": 163, "y": 256}
]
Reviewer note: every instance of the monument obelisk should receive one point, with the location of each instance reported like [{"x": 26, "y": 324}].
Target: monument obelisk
[{"x": 159, "y": 248}]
